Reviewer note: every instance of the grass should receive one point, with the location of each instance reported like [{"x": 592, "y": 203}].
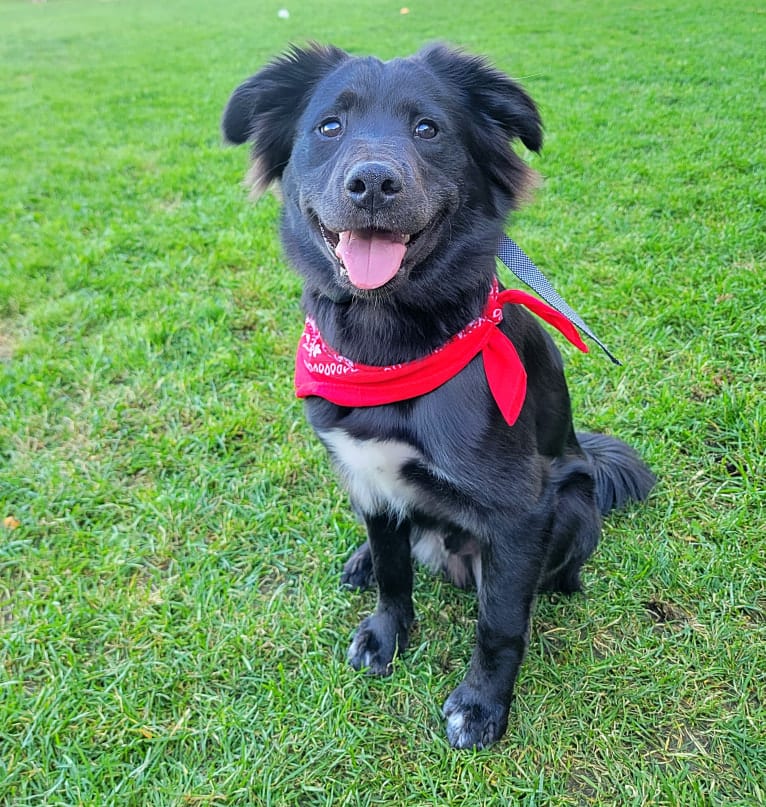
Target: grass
[{"x": 171, "y": 630}]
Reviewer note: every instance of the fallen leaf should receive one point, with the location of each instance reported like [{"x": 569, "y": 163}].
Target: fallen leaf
[{"x": 11, "y": 523}]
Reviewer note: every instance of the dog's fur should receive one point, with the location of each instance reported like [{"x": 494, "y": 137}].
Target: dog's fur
[{"x": 422, "y": 147}]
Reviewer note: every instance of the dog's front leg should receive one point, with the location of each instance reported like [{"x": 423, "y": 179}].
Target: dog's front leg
[
  {"x": 477, "y": 710},
  {"x": 382, "y": 634}
]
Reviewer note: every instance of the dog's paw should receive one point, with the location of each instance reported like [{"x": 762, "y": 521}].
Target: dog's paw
[
  {"x": 378, "y": 639},
  {"x": 357, "y": 571},
  {"x": 473, "y": 720}
]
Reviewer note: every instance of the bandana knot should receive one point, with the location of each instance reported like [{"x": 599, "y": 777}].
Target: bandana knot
[{"x": 321, "y": 371}]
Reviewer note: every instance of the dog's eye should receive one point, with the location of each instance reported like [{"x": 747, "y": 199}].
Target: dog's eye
[
  {"x": 332, "y": 127},
  {"x": 426, "y": 130}
]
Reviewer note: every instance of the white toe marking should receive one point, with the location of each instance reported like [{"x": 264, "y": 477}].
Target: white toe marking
[{"x": 455, "y": 722}]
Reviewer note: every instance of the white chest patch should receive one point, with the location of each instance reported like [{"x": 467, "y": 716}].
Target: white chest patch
[{"x": 371, "y": 470}]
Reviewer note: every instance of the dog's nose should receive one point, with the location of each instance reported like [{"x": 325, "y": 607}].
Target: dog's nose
[{"x": 373, "y": 185}]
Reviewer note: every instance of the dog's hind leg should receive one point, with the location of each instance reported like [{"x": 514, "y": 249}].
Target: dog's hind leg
[
  {"x": 576, "y": 525},
  {"x": 358, "y": 573},
  {"x": 385, "y": 633}
]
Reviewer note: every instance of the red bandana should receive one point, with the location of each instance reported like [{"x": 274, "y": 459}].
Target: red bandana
[{"x": 319, "y": 370}]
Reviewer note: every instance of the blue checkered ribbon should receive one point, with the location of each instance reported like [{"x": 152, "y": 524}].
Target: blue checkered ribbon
[{"x": 512, "y": 256}]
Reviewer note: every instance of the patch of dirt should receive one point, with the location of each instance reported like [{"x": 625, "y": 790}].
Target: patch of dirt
[
  {"x": 668, "y": 616},
  {"x": 7, "y": 346}
]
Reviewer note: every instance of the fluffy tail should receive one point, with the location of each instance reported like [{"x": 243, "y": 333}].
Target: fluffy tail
[{"x": 621, "y": 475}]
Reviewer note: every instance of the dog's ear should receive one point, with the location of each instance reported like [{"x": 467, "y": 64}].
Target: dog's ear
[
  {"x": 264, "y": 109},
  {"x": 503, "y": 110}
]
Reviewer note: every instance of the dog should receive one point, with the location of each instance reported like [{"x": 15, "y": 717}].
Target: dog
[{"x": 396, "y": 179}]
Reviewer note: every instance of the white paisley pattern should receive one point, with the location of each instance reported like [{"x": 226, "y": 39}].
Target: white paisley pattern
[{"x": 320, "y": 359}]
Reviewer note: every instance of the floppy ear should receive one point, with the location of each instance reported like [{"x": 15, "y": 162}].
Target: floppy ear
[
  {"x": 505, "y": 110},
  {"x": 265, "y": 108}
]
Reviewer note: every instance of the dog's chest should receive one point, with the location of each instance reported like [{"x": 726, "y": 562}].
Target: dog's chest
[{"x": 373, "y": 470}]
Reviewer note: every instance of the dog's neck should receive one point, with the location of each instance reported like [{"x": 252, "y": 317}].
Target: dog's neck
[{"x": 382, "y": 332}]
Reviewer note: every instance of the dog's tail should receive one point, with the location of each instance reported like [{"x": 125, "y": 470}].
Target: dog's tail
[{"x": 621, "y": 475}]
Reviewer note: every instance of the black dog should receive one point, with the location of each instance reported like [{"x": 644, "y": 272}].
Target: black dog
[{"x": 397, "y": 178}]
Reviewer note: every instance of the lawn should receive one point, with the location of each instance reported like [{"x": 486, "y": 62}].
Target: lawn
[{"x": 171, "y": 535}]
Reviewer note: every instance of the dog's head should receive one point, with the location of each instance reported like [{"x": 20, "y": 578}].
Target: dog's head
[{"x": 382, "y": 163}]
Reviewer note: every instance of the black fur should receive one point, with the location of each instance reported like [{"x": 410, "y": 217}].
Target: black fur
[{"x": 421, "y": 146}]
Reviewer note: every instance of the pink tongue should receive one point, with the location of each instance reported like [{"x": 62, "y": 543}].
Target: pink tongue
[{"x": 371, "y": 258}]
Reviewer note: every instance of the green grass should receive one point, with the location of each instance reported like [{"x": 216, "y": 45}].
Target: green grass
[{"x": 171, "y": 629}]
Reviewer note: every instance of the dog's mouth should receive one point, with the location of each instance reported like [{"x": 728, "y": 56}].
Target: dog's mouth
[{"x": 368, "y": 258}]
